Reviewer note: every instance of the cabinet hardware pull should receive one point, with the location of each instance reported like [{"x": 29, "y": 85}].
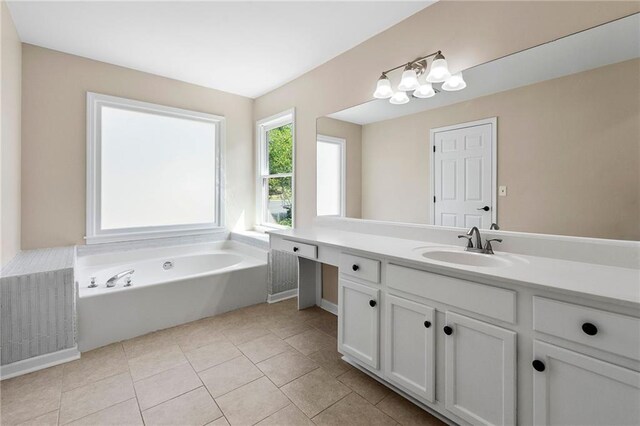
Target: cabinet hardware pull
[
  {"x": 538, "y": 365},
  {"x": 355, "y": 267},
  {"x": 372, "y": 303},
  {"x": 448, "y": 330},
  {"x": 589, "y": 329},
  {"x": 296, "y": 249},
  {"x": 427, "y": 324}
]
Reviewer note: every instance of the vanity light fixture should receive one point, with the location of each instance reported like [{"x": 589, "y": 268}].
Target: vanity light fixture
[{"x": 409, "y": 82}]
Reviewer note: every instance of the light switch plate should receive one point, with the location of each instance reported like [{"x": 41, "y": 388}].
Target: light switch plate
[{"x": 502, "y": 191}]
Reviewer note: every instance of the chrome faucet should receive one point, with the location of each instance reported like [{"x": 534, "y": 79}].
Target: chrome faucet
[
  {"x": 488, "y": 249},
  {"x": 478, "y": 245},
  {"x": 111, "y": 282}
]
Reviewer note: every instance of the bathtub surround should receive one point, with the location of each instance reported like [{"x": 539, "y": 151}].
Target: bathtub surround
[
  {"x": 10, "y": 163},
  {"x": 37, "y": 297}
]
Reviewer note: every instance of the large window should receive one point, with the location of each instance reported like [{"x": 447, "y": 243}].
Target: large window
[
  {"x": 152, "y": 170},
  {"x": 275, "y": 204},
  {"x": 330, "y": 176}
]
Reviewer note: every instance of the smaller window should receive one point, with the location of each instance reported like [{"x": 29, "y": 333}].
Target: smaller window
[
  {"x": 275, "y": 194},
  {"x": 330, "y": 173}
]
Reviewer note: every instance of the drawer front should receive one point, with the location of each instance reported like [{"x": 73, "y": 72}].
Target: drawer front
[
  {"x": 300, "y": 249},
  {"x": 614, "y": 333},
  {"x": 483, "y": 299},
  {"x": 360, "y": 267}
]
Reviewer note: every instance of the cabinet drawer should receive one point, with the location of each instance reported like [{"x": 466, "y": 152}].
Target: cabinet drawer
[
  {"x": 614, "y": 333},
  {"x": 300, "y": 249},
  {"x": 360, "y": 267},
  {"x": 483, "y": 299}
]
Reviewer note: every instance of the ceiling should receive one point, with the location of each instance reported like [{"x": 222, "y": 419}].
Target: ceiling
[{"x": 246, "y": 48}]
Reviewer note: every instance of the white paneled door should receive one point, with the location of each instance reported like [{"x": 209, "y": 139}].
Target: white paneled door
[{"x": 463, "y": 174}]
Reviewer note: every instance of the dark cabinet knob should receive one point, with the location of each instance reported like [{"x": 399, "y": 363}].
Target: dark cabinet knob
[
  {"x": 589, "y": 329},
  {"x": 296, "y": 249},
  {"x": 427, "y": 324},
  {"x": 538, "y": 365},
  {"x": 355, "y": 267},
  {"x": 448, "y": 330},
  {"x": 372, "y": 303}
]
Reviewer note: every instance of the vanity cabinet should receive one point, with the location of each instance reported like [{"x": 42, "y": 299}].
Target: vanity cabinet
[
  {"x": 572, "y": 388},
  {"x": 359, "y": 321},
  {"x": 480, "y": 371},
  {"x": 410, "y": 346}
]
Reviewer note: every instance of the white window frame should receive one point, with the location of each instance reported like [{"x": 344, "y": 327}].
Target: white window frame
[
  {"x": 262, "y": 170},
  {"x": 342, "y": 143},
  {"x": 94, "y": 232}
]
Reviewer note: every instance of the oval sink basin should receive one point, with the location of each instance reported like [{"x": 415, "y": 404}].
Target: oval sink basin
[{"x": 467, "y": 258}]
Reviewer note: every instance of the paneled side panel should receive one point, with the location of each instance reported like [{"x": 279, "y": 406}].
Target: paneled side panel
[
  {"x": 449, "y": 179},
  {"x": 473, "y": 179}
]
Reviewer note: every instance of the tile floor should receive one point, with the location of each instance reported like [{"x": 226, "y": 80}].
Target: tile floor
[{"x": 264, "y": 364}]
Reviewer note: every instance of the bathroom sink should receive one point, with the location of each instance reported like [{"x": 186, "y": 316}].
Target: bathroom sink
[{"x": 460, "y": 257}]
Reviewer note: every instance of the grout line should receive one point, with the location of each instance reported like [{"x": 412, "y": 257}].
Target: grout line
[{"x": 102, "y": 409}]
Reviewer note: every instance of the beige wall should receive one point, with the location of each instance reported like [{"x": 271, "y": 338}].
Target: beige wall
[
  {"x": 330, "y": 283},
  {"x": 10, "y": 84},
  {"x": 53, "y": 139},
  {"x": 568, "y": 152},
  {"x": 469, "y": 33},
  {"x": 352, "y": 133}
]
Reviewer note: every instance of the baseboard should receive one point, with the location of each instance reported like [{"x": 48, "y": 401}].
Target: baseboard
[
  {"x": 328, "y": 306},
  {"x": 283, "y": 295},
  {"x": 39, "y": 362}
]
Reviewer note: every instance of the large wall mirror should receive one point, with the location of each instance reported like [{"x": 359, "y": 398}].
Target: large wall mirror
[{"x": 546, "y": 140}]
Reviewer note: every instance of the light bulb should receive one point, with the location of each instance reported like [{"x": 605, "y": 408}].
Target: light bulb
[
  {"x": 439, "y": 71},
  {"x": 409, "y": 80},
  {"x": 424, "y": 91},
  {"x": 399, "y": 98},
  {"x": 383, "y": 88},
  {"x": 455, "y": 82}
]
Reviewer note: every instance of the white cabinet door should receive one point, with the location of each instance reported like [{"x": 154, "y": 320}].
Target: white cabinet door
[
  {"x": 409, "y": 346},
  {"x": 480, "y": 371},
  {"x": 574, "y": 389},
  {"x": 358, "y": 321}
]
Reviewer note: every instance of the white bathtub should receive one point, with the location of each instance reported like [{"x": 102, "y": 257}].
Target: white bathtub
[{"x": 203, "y": 280}]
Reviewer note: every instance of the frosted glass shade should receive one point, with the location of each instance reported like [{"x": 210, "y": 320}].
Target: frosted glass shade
[
  {"x": 455, "y": 82},
  {"x": 424, "y": 91},
  {"x": 409, "y": 81},
  {"x": 399, "y": 98},
  {"x": 439, "y": 71},
  {"x": 383, "y": 89}
]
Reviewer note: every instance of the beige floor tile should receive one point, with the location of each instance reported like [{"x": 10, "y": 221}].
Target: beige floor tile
[
  {"x": 151, "y": 342},
  {"x": 156, "y": 362},
  {"x": 31, "y": 395},
  {"x": 88, "y": 399},
  {"x": 229, "y": 375},
  {"x": 311, "y": 341},
  {"x": 49, "y": 419},
  {"x": 368, "y": 388},
  {"x": 288, "y": 328},
  {"x": 264, "y": 347},
  {"x": 315, "y": 391},
  {"x": 94, "y": 365},
  {"x": 405, "y": 412},
  {"x": 211, "y": 355},
  {"x": 252, "y": 402},
  {"x": 125, "y": 413},
  {"x": 353, "y": 410},
  {"x": 288, "y": 416},
  {"x": 331, "y": 361},
  {"x": 326, "y": 324},
  {"x": 222, "y": 421},
  {"x": 197, "y": 334},
  {"x": 47, "y": 378},
  {"x": 283, "y": 368},
  {"x": 245, "y": 332},
  {"x": 166, "y": 385},
  {"x": 195, "y": 408}
]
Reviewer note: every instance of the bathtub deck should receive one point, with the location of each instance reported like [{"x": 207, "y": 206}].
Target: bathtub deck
[{"x": 264, "y": 363}]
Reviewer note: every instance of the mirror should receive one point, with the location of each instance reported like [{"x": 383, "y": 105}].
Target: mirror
[{"x": 546, "y": 140}]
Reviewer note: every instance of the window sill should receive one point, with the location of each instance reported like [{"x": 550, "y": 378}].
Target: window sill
[{"x": 138, "y": 236}]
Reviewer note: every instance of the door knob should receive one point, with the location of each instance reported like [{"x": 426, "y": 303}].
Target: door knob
[{"x": 485, "y": 208}]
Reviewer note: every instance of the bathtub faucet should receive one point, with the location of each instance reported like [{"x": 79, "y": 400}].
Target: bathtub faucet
[{"x": 111, "y": 282}]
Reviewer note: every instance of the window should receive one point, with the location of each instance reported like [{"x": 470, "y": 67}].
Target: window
[
  {"x": 275, "y": 203},
  {"x": 152, "y": 171},
  {"x": 330, "y": 173}
]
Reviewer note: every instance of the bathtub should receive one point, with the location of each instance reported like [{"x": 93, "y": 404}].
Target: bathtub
[{"x": 170, "y": 286}]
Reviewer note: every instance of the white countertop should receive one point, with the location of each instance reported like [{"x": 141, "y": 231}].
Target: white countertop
[{"x": 615, "y": 284}]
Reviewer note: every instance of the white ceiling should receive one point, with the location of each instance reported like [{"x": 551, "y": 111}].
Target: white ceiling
[{"x": 247, "y": 48}]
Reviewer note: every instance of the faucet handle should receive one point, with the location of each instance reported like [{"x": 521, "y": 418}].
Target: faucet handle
[
  {"x": 93, "y": 283},
  {"x": 487, "y": 248},
  {"x": 468, "y": 237}
]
